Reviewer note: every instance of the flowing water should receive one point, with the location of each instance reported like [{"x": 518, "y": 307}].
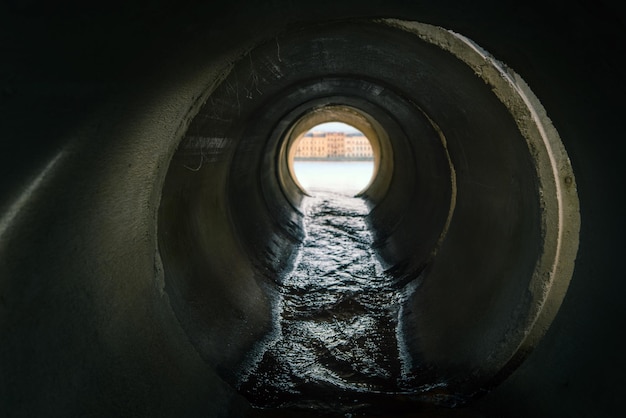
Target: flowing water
[{"x": 337, "y": 347}]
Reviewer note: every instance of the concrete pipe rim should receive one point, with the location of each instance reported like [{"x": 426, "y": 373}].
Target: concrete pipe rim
[{"x": 557, "y": 200}]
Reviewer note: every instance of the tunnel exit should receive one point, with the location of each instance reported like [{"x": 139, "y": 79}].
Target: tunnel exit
[{"x": 333, "y": 156}]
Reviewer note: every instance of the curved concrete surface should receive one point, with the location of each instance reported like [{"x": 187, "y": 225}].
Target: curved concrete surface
[{"x": 148, "y": 209}]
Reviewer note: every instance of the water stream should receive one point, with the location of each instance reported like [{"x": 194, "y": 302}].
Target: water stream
[{"x": 337, "y": 347}]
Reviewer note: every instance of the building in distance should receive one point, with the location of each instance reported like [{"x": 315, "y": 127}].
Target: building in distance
[{"x": 333, "y": 146}]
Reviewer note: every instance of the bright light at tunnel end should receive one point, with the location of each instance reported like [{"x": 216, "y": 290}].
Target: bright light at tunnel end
[
  {"x": 366, "y": 172},
  {"x": 332, "y": 157}
]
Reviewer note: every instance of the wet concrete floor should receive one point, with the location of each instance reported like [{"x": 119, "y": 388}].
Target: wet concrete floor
[{"x": 337, "y": 348}]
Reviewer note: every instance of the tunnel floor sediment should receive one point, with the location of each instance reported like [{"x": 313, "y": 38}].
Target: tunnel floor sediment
[{"x": 338, "y": 346}]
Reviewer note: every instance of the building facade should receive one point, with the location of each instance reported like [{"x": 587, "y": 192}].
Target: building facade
[{"x": 333, "y": 146}]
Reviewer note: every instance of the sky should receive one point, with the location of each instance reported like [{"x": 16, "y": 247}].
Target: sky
[{"x": 334, "y": 127}]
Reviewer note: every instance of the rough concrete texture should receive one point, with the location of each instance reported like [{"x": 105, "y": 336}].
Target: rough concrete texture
[{"x": 96, "y": 315}]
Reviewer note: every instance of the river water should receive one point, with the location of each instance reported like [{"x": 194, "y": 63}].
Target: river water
[
  {"x": 343, "y": 177},
  {"x": 337, "y": 345}
]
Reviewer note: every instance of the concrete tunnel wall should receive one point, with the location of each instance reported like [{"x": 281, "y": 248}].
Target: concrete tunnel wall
[{"x": 93, "y": 324}]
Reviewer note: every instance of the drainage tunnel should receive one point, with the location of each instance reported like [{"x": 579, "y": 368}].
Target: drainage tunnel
[{"x": 152, "y": 223}]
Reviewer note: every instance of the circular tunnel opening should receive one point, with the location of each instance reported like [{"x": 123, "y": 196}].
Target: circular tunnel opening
[
  {"x": 377, "y": 165},
  {"x": 472, "y": 209},
  {"x": 332, "y": 156}
]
